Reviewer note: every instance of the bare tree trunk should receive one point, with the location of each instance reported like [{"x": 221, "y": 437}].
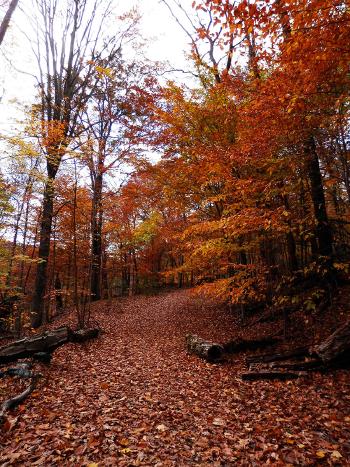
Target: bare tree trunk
[
  {"x": 75, "y": 258},
  {"x": 96, "y": 234},
  {"x": 24, "y": 245},
  {"x": 7, "y": 18},
  {"x": 131, "y": 275}
]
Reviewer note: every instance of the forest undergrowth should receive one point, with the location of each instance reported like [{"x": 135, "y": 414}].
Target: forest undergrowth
[{"x": 135, "y": 397}]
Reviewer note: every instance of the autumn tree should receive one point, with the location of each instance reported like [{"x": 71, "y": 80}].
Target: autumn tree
[
  {"x": 69, "y": 41},
  {"x": 107, "y": 120},
  {"x": 254, "y": 142}
]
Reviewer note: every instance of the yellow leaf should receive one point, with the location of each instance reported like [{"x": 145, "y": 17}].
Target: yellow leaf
[
  {"x": 125, "y": 451},
  {"x": 93, "y": 464},
  {"x": 336, "y": 455},
  {"x": 124, "y": 442},
  {"x": 320, "y": 454}
]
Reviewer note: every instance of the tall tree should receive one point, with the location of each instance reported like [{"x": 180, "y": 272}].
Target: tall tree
[{"x": 68, "y": 43}]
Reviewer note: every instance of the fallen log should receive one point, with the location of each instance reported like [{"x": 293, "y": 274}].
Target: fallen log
[
  {"x": 241, "y": 345},
  {"x": 41, "y": 346},
  {"x": 83, "y": 335},
  {"x": 210, "y": 351},
  {"x": 336, "y": 347},
  {"x": 299, "y": 352},
  {"x": 299, "y": 366},
  {"x": 270, "y": 375},
  {"x": 26, "y": 348}
]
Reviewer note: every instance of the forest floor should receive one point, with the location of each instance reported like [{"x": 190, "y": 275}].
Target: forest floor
[{"x": 135, "y": 397}]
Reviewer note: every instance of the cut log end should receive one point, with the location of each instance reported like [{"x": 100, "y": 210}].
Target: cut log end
[
  {"x": 210, "y": 351},
  {"x": 215, "y": 352}
]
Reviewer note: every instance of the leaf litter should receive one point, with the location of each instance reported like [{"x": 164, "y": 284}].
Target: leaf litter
[{"x": 135, "y": 397}]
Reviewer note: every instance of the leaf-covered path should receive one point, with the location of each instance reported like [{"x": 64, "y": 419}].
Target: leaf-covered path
[{"x": 134, "y": 397}]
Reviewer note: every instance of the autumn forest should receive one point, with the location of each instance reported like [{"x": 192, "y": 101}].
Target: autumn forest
[{"x": 189, "y": 226}]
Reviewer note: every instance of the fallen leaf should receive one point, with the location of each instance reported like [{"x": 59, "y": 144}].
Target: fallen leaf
[
  {"x": 336, "y": 455},
  {"x": 219, "y": 422},
  {"x": 161, "y": 427}
]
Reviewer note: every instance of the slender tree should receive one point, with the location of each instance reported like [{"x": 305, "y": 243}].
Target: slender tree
[
  {"x": 7, "y": 18},
  {"x": 68, "y": 43}
]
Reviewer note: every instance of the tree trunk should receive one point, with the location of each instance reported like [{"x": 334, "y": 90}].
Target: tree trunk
[
  {"x": 7, "y": 18},
  {"x": 38, "y": 303},
  {"x": 96, "y": 239},
  {"x": 58, "y": 292},
  {"x": 323, "y": 230}
]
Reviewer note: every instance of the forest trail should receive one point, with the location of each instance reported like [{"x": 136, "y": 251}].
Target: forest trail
[{"x": 134, "y": 397}]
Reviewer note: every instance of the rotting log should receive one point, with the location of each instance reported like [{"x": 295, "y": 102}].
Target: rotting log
[
  {"x": 332, "y": 352},
  {"x": 26, "y": 348},
  {"x": 336, "y": 347},
  {"x": 299, "y": 352},
  {"x": 241, "y": 345},
  {"x": 308, "y": 365},
  {"x": 210, "y": 351},
  {"x": 41, "y": 346},
  {"x": 83, "y": 335},
  {"x": 270, "y": 375}
]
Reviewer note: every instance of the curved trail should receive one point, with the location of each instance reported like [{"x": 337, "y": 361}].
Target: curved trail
[{"x": 134, "y": 397}]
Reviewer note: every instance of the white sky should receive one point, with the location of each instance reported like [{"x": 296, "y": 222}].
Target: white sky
[{"x": 166, "y": 42}]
